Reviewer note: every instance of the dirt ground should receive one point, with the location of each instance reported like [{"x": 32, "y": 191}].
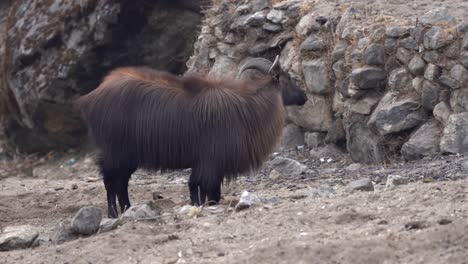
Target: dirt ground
[{"x": 310, "y": 218}]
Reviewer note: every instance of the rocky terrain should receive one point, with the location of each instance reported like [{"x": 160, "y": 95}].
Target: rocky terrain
[{"x": 373, "y": 169}]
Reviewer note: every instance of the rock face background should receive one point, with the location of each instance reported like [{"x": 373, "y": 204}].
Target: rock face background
[
  {"x": 56, "y": 50},
  {"x": 378, "y": 86}
]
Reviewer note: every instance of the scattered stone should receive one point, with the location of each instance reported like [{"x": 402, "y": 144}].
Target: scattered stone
[
  {"x": 314, "y": 115},
  {"x": 423, "y": 142},
  {"x": 455, "y": 136},
  {"x": 397, "y": 32},
  {"x": 63, "y": 232},
  {"x": 432, "y": 56},
  {"x": 368, "y": 77},
  {"x": 191, "y": 211},
  {"x": 459, "y": 100},
  {"x": 292, "y": 137},
  {"x": 324, "y": 190},
  {"x": 444, "y": 221},
  {"x": 268, "y": 26},
  {"x": 276, "y": 16},
  {"x": 316, "y": 76},
  {"x": 247, "y": 200},
  {"x": 453, "y": 51},
  {"x": 361, "y": 185},
  {"x": 18, "y": 237},
  {"x": 288, "y": 167},
  {"x": 394, "y": 180},
  {"x": 375, "y": 54},
  {"x": 459, "y": 73},
  {"x": 442, "y": 112},
  {"x": 324, "y": 152},
  {"x": 304, "y": 25},
  {"x": 313, "y": 43},
  {"x": 416, "y": 65},
  {"x": 157, "y": 195},
  {"x": 390, "y": 44},
  {"x": 435, "y": 38},
  {"x": 394, "y": 114},
  {"x": 399, "y": 80},
  {"x": 140, "y": 212},
  {"x": 74, "y": 186},
  {"x": 430, "y": 95},
  {"x": 314, "y": 139},
  {"x": 108, "y": 224},
  {"x": 403, "y": 55},
  {"x": 87, "y": 220},
  {"x": 255, "y": 20},
  {"x": 93, "y": 179},
  {"x": 436, "y": 16},
  {"x": 414, "y": 225},
  {"x": 432, "y": 72}
]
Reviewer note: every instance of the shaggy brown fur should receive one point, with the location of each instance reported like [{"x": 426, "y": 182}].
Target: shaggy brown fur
[{"x": 140, "y": 117}]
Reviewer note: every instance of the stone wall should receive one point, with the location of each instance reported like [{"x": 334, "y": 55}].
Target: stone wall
[
  {"x": 379, "y": 86},
  {"x": 57, "y": 50}
]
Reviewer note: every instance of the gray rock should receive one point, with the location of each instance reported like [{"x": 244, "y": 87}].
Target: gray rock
[
  {"x": 314, "y": 115},
  {"x": 18, "y": 237},
  {"x": 416, "y": 65},
  {"x": 432, "y": 56},
  {"x": 314, "y": 139},
  {"x": 276, "y": 16},
  {"x": 259, "y": 48},
  {"x": 399, "y": 80},
  {"x": 239, "y": 22},
  {"x": 247, "y": 200},
  {"x": 453, "y": 51},
  {"x": 363, "y": 43},
  {"x": 459, "y": 100},
  {"x": 464, "y": 58},
  {"x": 108, "y": 224},
  {"x": 63, "y": 232},
  {"x": 304, "y": 25},
  {"x": 417, "y": 84},
  {"x": 313, "y": 43},
  {"x": 274, "y": 175},
  {"x": 435, "y": 38},
  {"x": 345, "y": 25},
  {"x": 423, "y": 142},
  {"x": 367, "y": 77},
  {"x": 316, "y": 76},
  {"x": 462, "y": 27},
  {"x": 258, "y": 5},
  {"x": 361, "y": 185},
  {"x": 447, "y": 80},
  {"x": 339, "y": 69},
  {"x": 432, "y": 72},
  {"x": 339, "y": 50},
  {"x": 292, "y": 137},
  {"x": 409, "y": 43},
  {"x": 288, "y": 167},
  {"x": 375, "y": 54},
  {"x": 455, "y": 137},
  {"x": 354, "y": 167},
  {"x": 442, "y": 112},
  {"x": 326, "y": 151},
  {"x": 390, "y": 45},
  {"x": 430, "y": 95},
  {"x": 397, "y": 32},
  {"x": 362, "y": 144},
  {"x": 271, "y": 27},
  {"x": 459, "y": 73},
  {"x": 255, "y": 20},
  {"x": 140, "y": 212},
  {"x": 288, "y": 56},
  {"x": 337, "y": 133},
  {"x": 323, "y": 190},
  {"x": 464, "y": 44},
  {"x": 394, "y": 114},
  {"x": 437, "y": 16},
  {"x": 395, "y": 180},
  {"x": 87, "y": 220},
  {"x": 403, "y": 55},
  {"x": 365, "y": 105}
]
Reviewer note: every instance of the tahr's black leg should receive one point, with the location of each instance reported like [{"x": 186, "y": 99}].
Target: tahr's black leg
[
  {"x": 197, "y": 194},
  {"x": 122, "y": 194},
  {"x": 112, "y": 186},
  {"x": 203, "y": 183}
]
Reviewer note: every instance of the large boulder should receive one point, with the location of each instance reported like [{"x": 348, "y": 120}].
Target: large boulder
[
  {"x": 57, "y": 50},
  {"x": 315, "y": 115},
  {"x": 423, "y": 142},
  {"x": 455, "y": 137},
  {"x": 394, "y": 114}
]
